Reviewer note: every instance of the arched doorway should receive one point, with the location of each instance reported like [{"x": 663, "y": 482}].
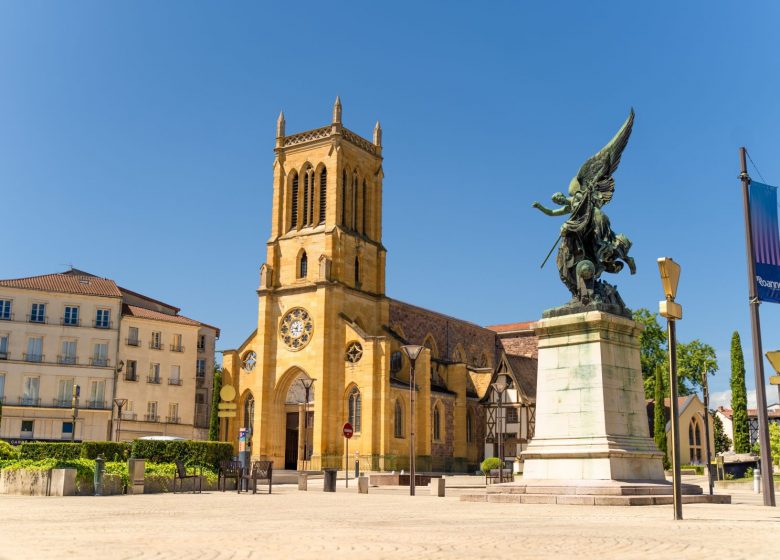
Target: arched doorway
[{"x": 299, "y": 423}]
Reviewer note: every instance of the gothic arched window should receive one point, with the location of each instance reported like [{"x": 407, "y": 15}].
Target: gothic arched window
[
  {"x": 469, "y": 426},
  {"x": 344, "y": 198},
  {"x": 357, "y": 271},
  {"x": 396, "y": 362},
  {"x": 365, "y": 206},
  {"x": 399, "y": 420},
  {"x": 354, "y": 409},
  {"x": 323, "y": 193},
  {"x": 355, "y": 203},
  {"x": 305, "y": 220},
  {"x": 303, "y": 269},
  {"x": 436, "y": 423},
  {"x": 294, "y": 214}
]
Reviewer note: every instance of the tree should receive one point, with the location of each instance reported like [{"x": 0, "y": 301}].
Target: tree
[
  {"x": 652, "y": 349},
  {"x": 774, "y": 441},
  {"x": 739, "y": 397},
  {"x": 722, "y": 441},
  {"x": 659, "y": 418},
  {"x": 693, "y": 359},
  {"x": 214, "y": 419}
]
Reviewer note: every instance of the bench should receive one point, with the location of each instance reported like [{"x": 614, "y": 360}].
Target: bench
[
  {"x": 181, "y": 475},
  {"x": 228, "y": 469},
  {"x": 493, "y": 476},
  {"x": 260, "y": 470}
]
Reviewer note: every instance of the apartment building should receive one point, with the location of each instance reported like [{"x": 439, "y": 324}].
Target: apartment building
[{"x": 63, "y": 331}]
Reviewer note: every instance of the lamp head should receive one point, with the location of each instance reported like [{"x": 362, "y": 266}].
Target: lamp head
[
  {"x": 670, "y": 276},
  {"x": 412, "y": 351},
  {"x": 774, "y": 358},
  {"x": 500, "y": 386},
  {"x": 119, "y": 366}
]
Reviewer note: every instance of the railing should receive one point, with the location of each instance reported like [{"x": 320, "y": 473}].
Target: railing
[
  {"x": 102, "y": 324},
  {"x": 70, "y": 322},
  {"x": 96, "y": 404},
  {"x": 155, "y": 345},
  {"x": 29, "y": 401},
  {"x": 177, "y": 348},
  {"x": 33, "y": 357},
  {"x": 133, "y": 342},
  {"x": 153, "y": 379},
  {"x": 172, "y": 419},
  {"x": 201, "y": 349},
  {"x": 7, "y": 317},
  {"x": 151, "y": 418},
  {"x": 174, "y": 381},
  {"x": 67, "y": 360},
  {"x": 131, "y": 377},
  {"x": 200, "y": 381},
  {"x": 99, "y": 362},
  {"x": 62, "y": 403},
  {"x": 5, "y": 355},
  {"x": 37, "y": 319},
  {"x": 129, "y": 416}
]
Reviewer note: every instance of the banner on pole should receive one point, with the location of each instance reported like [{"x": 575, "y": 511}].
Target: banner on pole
[{"x": 766, "y": 240}]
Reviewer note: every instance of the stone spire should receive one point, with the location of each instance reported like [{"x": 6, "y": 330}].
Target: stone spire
[
  {"x": 378, "y": 134},
  {"x": 280, "y": 125},
  {"x": 337, "y": 111}
]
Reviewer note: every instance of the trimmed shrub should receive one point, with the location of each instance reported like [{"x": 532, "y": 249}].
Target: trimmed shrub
[
  {"x": 109, "y": 450},
  {"x": 207, "y": 453},
  {"x": 489, "y": 464},
  {"x": 8, "y": 452},
  {"x": 38, "y": 451}
]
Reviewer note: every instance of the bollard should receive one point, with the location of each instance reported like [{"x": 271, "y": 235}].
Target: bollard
[
  {"x": 757, "y": 481},
  {"x": 303, "y": 481},
  {"x": 135, "y": 473},
  {"x": 362, "y": 485},
  {"x": 437, "y": 487},
  {"x": 329, "y": 480},
  {"x": 99, "y": 466}
]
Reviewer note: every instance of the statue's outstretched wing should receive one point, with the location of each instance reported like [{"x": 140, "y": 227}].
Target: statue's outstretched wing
[{"x": 595, "y": 175}]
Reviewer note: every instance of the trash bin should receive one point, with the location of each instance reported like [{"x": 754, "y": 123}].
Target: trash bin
[{"x": 330, "y": 480}]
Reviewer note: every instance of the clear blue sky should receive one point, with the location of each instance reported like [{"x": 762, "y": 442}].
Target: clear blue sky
[{"x": 136, "y": 143}]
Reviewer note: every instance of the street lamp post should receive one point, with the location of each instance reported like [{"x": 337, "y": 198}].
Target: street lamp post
[
  {"x": 120, "y": 403},
  {"x": 670, "y": 277},
  {"x": 706, "y": 392},
  {"x": 412, "y": 352},
  {"x": 307, "y": 385},
  {"x": 500, "y": 387}
]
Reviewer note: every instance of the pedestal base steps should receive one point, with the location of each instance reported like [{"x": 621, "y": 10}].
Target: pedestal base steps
[{"x": 592, "y": 493}]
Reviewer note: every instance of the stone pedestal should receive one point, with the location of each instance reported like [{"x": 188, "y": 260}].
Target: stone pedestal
[{"x": 591, "y": 419}]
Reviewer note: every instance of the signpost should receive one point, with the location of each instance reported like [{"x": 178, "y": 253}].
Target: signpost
[
  {"x": 226, "y": 408},
  {"x": 348, "y": 430}
]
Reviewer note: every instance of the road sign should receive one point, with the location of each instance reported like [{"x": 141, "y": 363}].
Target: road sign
[
  {"x": 227, "y": 406},
  {"x": 226, "y": 414},
  {"x": 774, "y": 380},
  {"x": 227, "y": 393},
  {"x": 348, "y": 430}
]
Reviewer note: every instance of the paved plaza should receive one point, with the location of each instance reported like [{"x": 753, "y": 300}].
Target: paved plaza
[{"x": 383, "y": 524}]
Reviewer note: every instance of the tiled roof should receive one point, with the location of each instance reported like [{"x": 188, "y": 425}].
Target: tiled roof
[
  {"x": 509, "y": 327},
  {"x": 86, "y": 284},
  {"x": 141, "y": 313},
  {"x": 525, "y": 370}
]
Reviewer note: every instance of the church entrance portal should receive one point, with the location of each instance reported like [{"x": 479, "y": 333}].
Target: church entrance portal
[{"x": 291, "y": 442}]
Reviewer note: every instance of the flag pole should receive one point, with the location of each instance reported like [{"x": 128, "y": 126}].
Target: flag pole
[{"x": 767, "y": 482}]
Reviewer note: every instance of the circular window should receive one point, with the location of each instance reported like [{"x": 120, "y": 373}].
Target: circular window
[
  {"x": 354, "y": 352},
  {"x": 250, "y": 360},
  {"x": 296, "y": 328}
]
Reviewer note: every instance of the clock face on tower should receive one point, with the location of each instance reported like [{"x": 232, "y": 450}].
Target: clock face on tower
[{"x": 296, "y": 328}]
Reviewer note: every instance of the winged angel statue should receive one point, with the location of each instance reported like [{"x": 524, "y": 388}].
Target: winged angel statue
[{"x": 588, "y": 246}]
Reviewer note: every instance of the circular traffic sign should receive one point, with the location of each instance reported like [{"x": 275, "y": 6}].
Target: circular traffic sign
[
  {"x": 227, "y": 393},
  {"x": 348, "y": 430}
]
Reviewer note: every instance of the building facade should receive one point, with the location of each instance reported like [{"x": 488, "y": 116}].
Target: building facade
[
  {"x": 324, "y": 321},
  {"x": 75, "y": 330},
  {"x": 693, "y": 445}
]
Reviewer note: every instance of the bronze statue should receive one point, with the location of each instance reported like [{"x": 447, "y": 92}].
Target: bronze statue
[{"x": 588, "y": 246}]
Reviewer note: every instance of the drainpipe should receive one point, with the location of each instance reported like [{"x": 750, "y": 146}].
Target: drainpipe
[{"x": 116, "y": 371}]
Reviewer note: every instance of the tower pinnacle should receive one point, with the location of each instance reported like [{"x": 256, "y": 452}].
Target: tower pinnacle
[
  {"x": 280, "y": 125},
  {"x": 378, "y": 134},
  {"x": 337, "y": 111}
]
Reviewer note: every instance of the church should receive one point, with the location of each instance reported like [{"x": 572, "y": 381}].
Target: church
[{"x": 327, "y": 347}]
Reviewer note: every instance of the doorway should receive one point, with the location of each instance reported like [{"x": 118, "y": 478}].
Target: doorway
[{"x": 291, "y": 442}]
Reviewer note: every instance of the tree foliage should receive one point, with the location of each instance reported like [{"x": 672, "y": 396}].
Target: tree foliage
[
  {"x": 774, "y": 441},
  {"x": 722, "y": 441},
  {"x": 659, "y": 419},
  {"x": 214, "y": 418},
  {"x": 739, "y": 397}
]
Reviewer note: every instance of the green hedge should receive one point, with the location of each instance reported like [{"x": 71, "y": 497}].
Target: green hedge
[
  {"x": 8, "y": 451},
  {"x": 208, "y": 453},
  {"x": 109, "y": 450},
  {"x": 38, "y": 451},
  {"x": 489, "y": 464}
]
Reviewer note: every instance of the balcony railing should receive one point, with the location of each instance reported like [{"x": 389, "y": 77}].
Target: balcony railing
[
  {"x": 96, "y": 404},
  {"x": 177, "y": 348},
  {"x": 201, "y": 349},
  {"x": 173, "y": 419},
  {"x": 7, "y": 317},
  {"x": 34, "y": 357},
  {"x": 37, "y": 319},
  {"x": 102, "y": 324},
  {"x": 129, "y": 415},
  {"x": 99, "y": 362},
  {"x": 70, "y": 322},
  {"x": 131, "y": 377},
  {"x": 62, "y": 403},
  {"x": 155, "y": 345},
  {"x": 67, "y": 360},
  {"x": 5, "y": 355},
  {"x": 174, "y": 381},
  {"x": 133, "y": 342},
  {"x": 29, "y": 401},
  {"x": 200, "y": 381},
  {"x": 153, "y": 379},
  {"x": 151, "y": 418}
]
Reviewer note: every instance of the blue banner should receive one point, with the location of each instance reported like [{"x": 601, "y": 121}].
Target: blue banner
[{"x": 766, "y": 240}]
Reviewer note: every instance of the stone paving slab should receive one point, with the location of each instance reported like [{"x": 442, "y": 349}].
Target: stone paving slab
[{"x": 345, "y": 525}]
